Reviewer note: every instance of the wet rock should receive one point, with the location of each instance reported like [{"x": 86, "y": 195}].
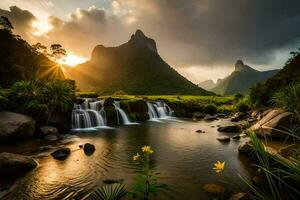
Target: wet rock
[
  {"x": 239, "y": 196},
  {"x": 210, "y": 118},
  {"x": 89, "y": 149},
  {"x": 200, "y": 131},
  {"x": 81, "y": 146},
  {"x": 236, "y": 137},
  {"x": 219, "y": 115},
  {"x": 61, "y": 154},
  {"x": 238, "y": 117},
  {"x": 49, "y": 130},
  {"x": 113, "y": 181},
  {"x": 246, "y": 148},
  {"x": 45, "y": 148},
  {"x": 224, "y": 139},
  {"x": 214, "y": 189},
  {"x": 51, "y": 137},
  {"x": 198, "y": 115},
  {"x": 14, "y": 126},
  {"x": 229, "y": 129},
  {"x": 273, "y": 121},
  {"x": 14, "y": 164}
]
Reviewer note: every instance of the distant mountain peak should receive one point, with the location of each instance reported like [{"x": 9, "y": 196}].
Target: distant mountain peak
[
  {"x": 240, "y": 66},
  {"x": 140, "y": 39}
]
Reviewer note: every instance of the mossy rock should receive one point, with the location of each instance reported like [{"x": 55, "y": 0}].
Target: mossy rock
[{"x": 111, "y": 116}]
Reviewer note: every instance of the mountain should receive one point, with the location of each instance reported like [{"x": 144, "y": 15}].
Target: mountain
[
  {"x": 289, "y": 75},
  {"x": 134, "y": 68},
  {"x": 241, "y": 79},
  {"x": 19, "y": 62},
  {"x": 207, "y": 85}
]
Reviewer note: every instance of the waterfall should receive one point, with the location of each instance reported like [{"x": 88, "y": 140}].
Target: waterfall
[
  {"x": 151, "y": 111},
  {"x": 159, "y": 109},
  {"x": 89, "y": 114},
  {"x": 121, "y": 112}
]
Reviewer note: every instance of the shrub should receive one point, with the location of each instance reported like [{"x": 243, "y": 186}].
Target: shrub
[
  {"x": 243, "y": 105},
  {"x": 288, "y": 98},
  {"x": 3, "y": 102},
  {"x": 238, "y": 96},
  {"x": 210, "y": 109}
]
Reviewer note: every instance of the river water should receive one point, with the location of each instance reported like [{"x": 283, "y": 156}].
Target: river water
[{"x": 183, "y": 157}]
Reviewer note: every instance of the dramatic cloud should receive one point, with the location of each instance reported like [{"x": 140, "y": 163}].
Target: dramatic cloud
[
  {"x": 188, "y": 33},
  {"x": 21, "y": 19}
]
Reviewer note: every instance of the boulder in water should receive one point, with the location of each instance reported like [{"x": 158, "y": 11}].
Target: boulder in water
[
  {"x": 51, "y": 137},
  {"x": 224, "y": 139},
  {"x": 113, "y": 181},
  {"x": 246, "y": 148},
  {"x": 229, "y": 129},
  {"x": 210, "y": 118},
  {"x": 198, "y": 115},
  {"x": 14, "y": 164},
  {"x": 236, "y": 137},
  {"x": 89, "y": 148},
  {"x": 61, "y": 154},
  {"x": 14, "y": 126},
  {"x": 214, "y": 189},
  {"x": 49, "y": 130}
]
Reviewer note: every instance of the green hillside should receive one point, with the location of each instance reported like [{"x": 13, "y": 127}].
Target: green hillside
[
  {"x": 19, "y": 62},
  {"x": 134, "y": 68},
  {"x": 241, "y": 79}
]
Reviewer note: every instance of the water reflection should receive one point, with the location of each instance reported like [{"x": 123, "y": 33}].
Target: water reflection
[{"x": 183, "y": 157}]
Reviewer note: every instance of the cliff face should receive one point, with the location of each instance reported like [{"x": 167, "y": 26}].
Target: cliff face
[
  {"x": 241, "y": 79},
  {"x": 134, "y": 68}
]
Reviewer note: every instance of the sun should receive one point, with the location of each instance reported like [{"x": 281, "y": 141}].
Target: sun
[
  {"x": 73, "y": 60},
  {"x": 41, "y": 27}
]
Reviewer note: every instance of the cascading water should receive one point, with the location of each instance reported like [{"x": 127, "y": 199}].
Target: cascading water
[
  {"x": 121, "y": 113},
  {"x": 89, "y": 114},
  {"x": 159, "y": 109}
]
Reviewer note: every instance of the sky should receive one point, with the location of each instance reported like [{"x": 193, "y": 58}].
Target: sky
[{"x": 201, "y": 39}]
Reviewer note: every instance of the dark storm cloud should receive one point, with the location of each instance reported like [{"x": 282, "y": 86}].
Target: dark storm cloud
[
  {"x": 219, "y": 32},
  {"x": 21, "y": 20}
]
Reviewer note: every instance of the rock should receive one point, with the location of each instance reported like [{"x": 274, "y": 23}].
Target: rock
[
  {"x": 238, "y": 117},
  {"x": 14, "y": 126},
  {"x": 236, "y": 137},
  {"x": 224, "y": 139},
  {"x": 81, "y": 146},
  {"x": 200, "y": 131},
  {"x": 275, "y": 119},
  {"x": 214, "y": 189},
  {"x": 210, "y": 118},
  {"x": 89, "y": 149},
  {"x": 51, "y": 137},
  {"x": 61, "y": 154},
  {"x": 14, "y": 164},
  {"x": 219, "y": 115},
  {"x": 49, "y": 130},
  {"x": 112, "y": 181},
  {"x": 246, "y": 148},
  {"x": 239, "y": 196},
  {"x": 46, "y": 148},
  {"x": 198, "y": 115},
  {"x": 229, "y": 129}
]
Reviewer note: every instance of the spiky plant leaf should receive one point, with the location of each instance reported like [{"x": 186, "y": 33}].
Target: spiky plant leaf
[{"x": 109, "y": 192}]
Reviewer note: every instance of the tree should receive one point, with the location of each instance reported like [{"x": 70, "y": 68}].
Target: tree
[
  {"x": 5, "y": 23},
  {"x": 57, "y": 52},
  {"x": 39, "y": 48}
]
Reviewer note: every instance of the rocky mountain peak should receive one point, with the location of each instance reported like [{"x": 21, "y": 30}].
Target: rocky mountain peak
[
  {"x": 139, "y": 39},
  {"x": 239, "y": 65}
]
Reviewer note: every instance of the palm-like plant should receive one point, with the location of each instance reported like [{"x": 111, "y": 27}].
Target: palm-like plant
[
  {"x": 59, "y": 95},
  {"x": 109, "y": 192},
  {"x": 27, "y": 90}
]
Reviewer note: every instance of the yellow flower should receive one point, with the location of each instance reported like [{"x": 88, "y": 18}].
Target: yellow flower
[
  {"x": 219, "y": 166},
  {"x": 147, "y": 149},
  {"x": 136, "y": 157}
]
